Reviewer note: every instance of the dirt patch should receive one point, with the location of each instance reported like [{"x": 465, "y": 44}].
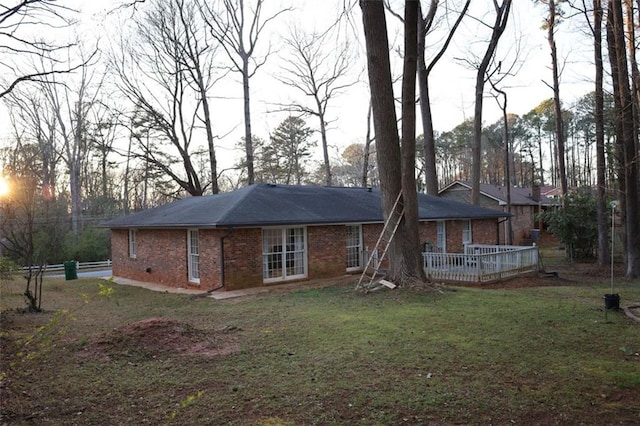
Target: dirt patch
[{"x": 161, "y": 337}]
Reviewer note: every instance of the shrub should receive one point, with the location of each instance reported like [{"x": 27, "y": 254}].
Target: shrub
[{"x": 575, "y": 224}]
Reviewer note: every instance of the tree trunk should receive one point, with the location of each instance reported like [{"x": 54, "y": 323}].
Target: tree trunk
[
  {"x": 601, "y": 207},
  {"x": 366, "y": 150},
  {"x": 325, "y": 148},
  {"x": 502, "y": 15},
  {"x": 625, "y": 137},
  {"x": 559, "y": 127},
  {"x": 431, "y": 176},
  {"x": 429, "y": 146},
  {"x": 213, "y": 162},
  {"x": 412, "y": 254},
  {"x": 635, "y": 72},
  {"x": 401, "y": 255},
  {"x": 248, "y": 142}
]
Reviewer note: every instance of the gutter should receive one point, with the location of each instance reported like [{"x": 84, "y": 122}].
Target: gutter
[{"x": 222, "y": 274}]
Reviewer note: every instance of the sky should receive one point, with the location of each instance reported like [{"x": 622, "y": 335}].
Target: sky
[{"x": 451, "y": 82}]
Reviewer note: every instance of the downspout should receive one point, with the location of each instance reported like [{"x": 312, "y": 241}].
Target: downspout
[{"x": 221, "y": 286}]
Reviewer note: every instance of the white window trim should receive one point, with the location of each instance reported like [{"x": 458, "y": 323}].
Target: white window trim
[
  {"x": 360, "y": 249},
  {"x": 305, "y": 259},
  {"x": 192, "y": 279},
  {"x": 467, "y": 227},
  {"x": 132, "y": 243},
  {"x": 442, "y": 247}
]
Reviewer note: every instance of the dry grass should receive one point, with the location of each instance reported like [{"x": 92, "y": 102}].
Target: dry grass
[{"x": 534, "y": 351}]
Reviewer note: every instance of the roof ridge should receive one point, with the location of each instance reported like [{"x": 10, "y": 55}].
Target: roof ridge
[{"x": 248, "y": 190}]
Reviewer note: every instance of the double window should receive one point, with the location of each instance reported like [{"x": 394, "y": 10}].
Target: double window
[
  {"x": 193, "y": 255},
  {"x": 284, "y": 254}
]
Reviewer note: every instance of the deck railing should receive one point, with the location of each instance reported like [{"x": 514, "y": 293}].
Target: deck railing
[{"x": 481, "y": 263}]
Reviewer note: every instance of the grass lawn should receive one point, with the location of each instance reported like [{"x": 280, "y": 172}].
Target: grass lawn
[{"x": 542, "y": 352}]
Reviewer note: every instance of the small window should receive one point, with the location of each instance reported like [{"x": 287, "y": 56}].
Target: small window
[
  {"x": 132, "y": 243},
  {"x": 442, "y": 237},
  {"x": 466, "y": 232},
  {"x": 193, "y": 255},
  {"x": 354, "y": 247}
]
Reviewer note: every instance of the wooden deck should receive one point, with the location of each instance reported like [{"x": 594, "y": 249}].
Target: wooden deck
[{"x": 481, "y": 263}]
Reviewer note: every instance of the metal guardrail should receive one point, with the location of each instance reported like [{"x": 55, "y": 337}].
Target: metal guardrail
[{"x": 79, "y": 266}]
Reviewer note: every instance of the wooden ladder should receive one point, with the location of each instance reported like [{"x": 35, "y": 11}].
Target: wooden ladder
[{"x": 372, "y": 267}]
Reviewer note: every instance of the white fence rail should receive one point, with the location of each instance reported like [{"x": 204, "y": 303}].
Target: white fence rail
[
  {"x": 481, "y": 263},
  {"x": 79, "y": 266}
]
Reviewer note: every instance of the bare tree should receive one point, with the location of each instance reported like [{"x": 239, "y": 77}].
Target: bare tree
[
  {"x": 424, "y": 25},
  {"x": 238, "y": 31},
  {"x": 33, "y": 119},
  {"x": 19, "y": 47},
  {"x": 18, "y": 217},
  {"x": 71, "y": 108},
  {"x": 317, "y": 67},
  {"x": 166, "y": 70},
  {"x": 497, "y": 29}
]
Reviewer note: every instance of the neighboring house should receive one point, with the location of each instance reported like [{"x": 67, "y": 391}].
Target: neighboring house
[
  {"x": 526, "y": 203},
  {"x": 267, "y": 234}
]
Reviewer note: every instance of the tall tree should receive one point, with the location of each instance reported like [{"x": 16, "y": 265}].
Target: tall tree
[
  {"x": 317, "y": 67},
  {"x": 625, "y": 134},
  {"x": 424, "y": 25},
  {"x": 33, "y": 119},
  {"x": 595, "y": 26},
  {"x": 551, "y": 23},
  {"x": 507, "y": 154},
  {"x": 165, "y": 69},
  {"x": 393, "y": 165},
  {"x": 71, "y": 107},
  {"x": 198, "y": 52},
  {"x": 238, "y": 29},
  {"x": 497, "y": 29}
]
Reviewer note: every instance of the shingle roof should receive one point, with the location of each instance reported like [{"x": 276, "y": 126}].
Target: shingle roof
[
  {"x": 267, "y": 204},
  {"x": 519, "y": 196}
]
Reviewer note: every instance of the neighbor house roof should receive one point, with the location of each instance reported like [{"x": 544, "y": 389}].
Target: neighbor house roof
[
  {"x": 519, "y": 196},
  {"x": 269, "y": 204}
]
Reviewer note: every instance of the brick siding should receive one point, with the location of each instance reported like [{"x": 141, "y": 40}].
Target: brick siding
[{"x": 161, "y": 254}]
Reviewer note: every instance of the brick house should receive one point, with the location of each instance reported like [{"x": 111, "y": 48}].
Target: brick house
[
  {"x": 526, "y": 203},
  {"x": 269, "y": 234}
]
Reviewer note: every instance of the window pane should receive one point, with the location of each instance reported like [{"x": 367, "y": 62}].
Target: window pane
[
  {"x": 353, "y": 247},
  {"x": 271, "y": 253},
  {"x": 283, "y": 253},
  {"x": 194, "y": 257},
  {"x": 441, "y": 241},
  {"x": 132, "y": 243}
]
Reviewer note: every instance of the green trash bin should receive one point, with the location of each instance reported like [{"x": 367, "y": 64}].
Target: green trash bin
[{"x": 70, "y": 270}]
